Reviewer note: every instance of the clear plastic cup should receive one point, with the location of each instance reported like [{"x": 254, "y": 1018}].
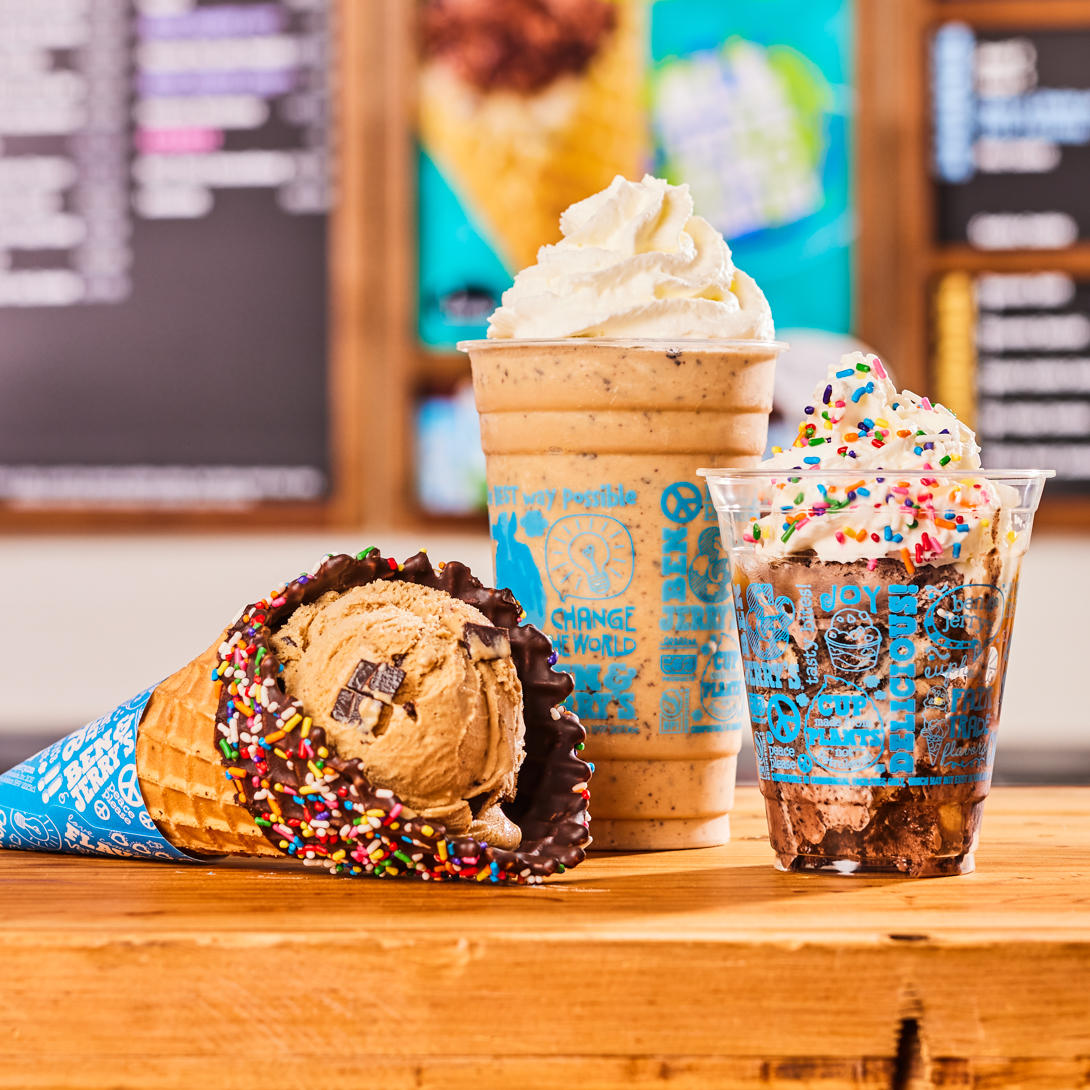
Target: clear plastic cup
[{"x": 874, "y": 684}]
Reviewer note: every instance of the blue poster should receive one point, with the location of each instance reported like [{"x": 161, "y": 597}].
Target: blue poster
[
  {"x": 751, "y": 105},
  {"x": 81, "y": 795}
]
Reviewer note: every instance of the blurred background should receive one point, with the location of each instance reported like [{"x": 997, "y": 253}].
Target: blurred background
[{"x": 239, "y": 242}]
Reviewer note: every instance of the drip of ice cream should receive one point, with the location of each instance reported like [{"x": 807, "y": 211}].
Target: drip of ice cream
[
  {"x": 421, "y": 688},
  {"x": 859, "y": 425},
  {"x": 634, "y": 262}
]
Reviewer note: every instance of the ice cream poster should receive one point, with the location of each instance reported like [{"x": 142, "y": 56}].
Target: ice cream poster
[
  {"x": 750, "y": 105},
  {"x": 81, "y": 795},
  {"x": 524, "y": 108}
]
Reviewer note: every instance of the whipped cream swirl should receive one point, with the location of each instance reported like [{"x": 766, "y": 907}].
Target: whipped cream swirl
[
  {"x": 855, "y": 440},
  {"x": 634, "y": 262}
]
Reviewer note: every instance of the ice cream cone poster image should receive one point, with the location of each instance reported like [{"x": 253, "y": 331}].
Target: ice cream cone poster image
[
  {"x": 367, "y": 717},
  {"x": 524, "y": 108}
]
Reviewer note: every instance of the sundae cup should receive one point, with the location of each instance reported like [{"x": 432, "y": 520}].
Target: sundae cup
[
  {"x": 630, "y": 353},
  {"x": 875, "y": 573}
]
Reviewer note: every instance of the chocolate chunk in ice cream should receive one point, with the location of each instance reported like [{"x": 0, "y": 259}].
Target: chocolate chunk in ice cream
[{"x": 486, "y": 643}]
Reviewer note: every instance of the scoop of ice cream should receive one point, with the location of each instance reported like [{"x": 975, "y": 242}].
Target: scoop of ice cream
[
  {"x": 874, "y": 477},
  {"x": 421, "y": 689},
  {"x": 514, "y": 45},
  {"x": 634, "y": 262}
]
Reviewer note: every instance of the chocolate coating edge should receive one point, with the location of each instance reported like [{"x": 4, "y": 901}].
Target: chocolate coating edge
[{"x": 551, "y": 800}]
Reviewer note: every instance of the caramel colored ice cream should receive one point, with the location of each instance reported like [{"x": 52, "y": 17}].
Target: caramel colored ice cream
[{"x": 421, "y": 689}]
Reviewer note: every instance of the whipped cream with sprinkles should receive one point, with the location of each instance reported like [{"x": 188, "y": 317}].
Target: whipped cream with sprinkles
[{"x": 879, "y": 473}]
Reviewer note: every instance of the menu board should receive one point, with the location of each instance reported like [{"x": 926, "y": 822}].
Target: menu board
[
  {"x": 1033, "y": 373},
  {"x": 1011, "y": 136},
  {"x": 165, "y": 179},
  {"x": 1029, "y": 335}
]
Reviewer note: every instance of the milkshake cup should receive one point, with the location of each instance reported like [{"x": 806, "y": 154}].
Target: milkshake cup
[
  {"x": 607, "y": 538},
  {"x": 617, "y": 363},
  {"x": 874, "y": 605}
]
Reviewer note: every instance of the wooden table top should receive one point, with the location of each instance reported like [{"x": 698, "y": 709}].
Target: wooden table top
[{"x": 689, "y": 969}]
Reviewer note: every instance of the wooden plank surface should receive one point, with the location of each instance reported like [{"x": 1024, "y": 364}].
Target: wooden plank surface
[{"x": 685, "y": 969}]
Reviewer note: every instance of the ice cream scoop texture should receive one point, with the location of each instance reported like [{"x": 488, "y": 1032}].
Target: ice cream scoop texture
[{"x": 394, "y": 673}]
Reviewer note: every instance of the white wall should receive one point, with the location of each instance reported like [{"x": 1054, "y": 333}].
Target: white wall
[{"x": 88, "y": 621}]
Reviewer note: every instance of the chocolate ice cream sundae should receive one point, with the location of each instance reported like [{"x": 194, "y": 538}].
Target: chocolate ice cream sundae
[{"x": 885, "y": 565}]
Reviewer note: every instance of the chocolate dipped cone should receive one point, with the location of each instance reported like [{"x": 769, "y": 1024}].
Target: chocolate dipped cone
[
  {"x": 185, "y": 788},
  {"x": 316, "y": 801},
  {"x": 219, "y": 759}
]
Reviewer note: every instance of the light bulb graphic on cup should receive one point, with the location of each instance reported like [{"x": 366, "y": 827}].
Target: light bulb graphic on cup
[
  {"x": 590, "y": 553},
  {"x": 589, "y": 556}
]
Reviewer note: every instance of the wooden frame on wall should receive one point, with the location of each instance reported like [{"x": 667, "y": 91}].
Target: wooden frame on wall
[
  {"x": 898, "y": 257},
  {"x": 362, "y": 390}
]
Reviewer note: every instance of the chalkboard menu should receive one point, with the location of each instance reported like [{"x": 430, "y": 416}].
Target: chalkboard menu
[
  {"x": 1033, "y": 373},
  {"x": 164, "y": 197},
  {"x": 1027, "y": 338},
  {"x": 1011, "y": 136}
]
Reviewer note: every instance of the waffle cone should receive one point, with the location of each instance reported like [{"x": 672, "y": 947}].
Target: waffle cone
[
  {"x": 181, "y": 773},
  {"x": 518, "y": 160}
]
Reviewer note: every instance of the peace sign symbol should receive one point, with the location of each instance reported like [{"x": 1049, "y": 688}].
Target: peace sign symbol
[
  {"x": 129, "y": 784},
  {"x": 682, "y": 502}
]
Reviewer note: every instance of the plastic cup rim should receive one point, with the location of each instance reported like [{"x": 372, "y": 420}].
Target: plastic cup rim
[
  {"x": 619, "y": 342},
  {"x": 869, "y": 472}
]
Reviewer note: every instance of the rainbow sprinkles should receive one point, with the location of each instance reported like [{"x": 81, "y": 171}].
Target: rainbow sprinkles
[{"x": 878, "y": 473}]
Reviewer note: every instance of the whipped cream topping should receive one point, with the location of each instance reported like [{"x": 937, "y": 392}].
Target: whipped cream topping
[
  {"x": 634, "y": 262},
  {"x": 855, "y": 440}
]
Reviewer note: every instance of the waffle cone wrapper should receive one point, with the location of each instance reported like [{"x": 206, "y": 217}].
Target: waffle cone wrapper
[
  {"x": 82, "y": 795},
  {"x": 168, "y": 775}
]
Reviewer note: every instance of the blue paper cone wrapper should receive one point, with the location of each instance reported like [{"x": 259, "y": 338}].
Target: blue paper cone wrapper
[{"x": 81, "y": 795}]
